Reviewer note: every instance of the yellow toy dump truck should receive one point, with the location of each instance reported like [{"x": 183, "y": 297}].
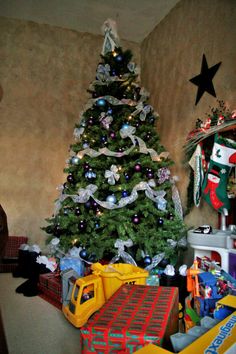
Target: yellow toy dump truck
[{"x": 91, "y": 292}]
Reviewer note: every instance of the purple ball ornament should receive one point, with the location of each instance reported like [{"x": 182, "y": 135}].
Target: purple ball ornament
[
  {"x": 70, "y": 178},
  {"x": 77, "y": 211},
  {"x": 82, "y": 225},
  {"x": 91, "y": 121},
  {"x": 148, "y": 136},
  {"x": 170, "y": 216},
  {"x": 136, "y": 219},
  {"x": 149, "y": 173},
  {"x": 112, "y": 135},
  {"x": 57, "y": 230},
  {"x": 94, "y": 204},
  {"x": 138, "y": 167},
  {"x": 86, "y": 166}
]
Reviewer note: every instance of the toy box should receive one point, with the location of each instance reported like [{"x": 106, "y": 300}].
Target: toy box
[
  {"x": 135, "y": 315},
  {"x": 218, "y": 340},
  {"x": 50, "y": 288}
]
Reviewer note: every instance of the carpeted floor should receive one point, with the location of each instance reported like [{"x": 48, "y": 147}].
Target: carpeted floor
[{"x": 32, "y": 325}]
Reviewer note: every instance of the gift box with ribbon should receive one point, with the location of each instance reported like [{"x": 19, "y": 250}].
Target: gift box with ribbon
[{"x": 74, "y": 263}]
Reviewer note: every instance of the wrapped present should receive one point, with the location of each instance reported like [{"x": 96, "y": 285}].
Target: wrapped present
[
  {"x": 9, "y": 259},
  {"x": 50, "y": 288},
  {"x": 72, "y": 263},
  {"x": 133, "y": 317}
]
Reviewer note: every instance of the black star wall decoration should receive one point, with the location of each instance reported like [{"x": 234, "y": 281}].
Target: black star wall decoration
[{"x": 204, "y": 79}]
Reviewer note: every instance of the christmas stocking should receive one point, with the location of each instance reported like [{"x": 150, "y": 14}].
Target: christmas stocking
[
  {"x": 214, "y": 189},
  {"x": 198, "y": 164}
]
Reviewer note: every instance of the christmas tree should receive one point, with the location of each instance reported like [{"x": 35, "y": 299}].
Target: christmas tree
[{"x": 118, "y": 184}]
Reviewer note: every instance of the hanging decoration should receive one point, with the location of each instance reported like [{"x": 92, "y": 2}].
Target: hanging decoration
[
  {"x": 111, "y": 38},
  {"x": 223, "y": 158},
  {"x": 204, "y": 79},
  {"x": 112, "y": 175},
  {"x": 198, "y": 164}
]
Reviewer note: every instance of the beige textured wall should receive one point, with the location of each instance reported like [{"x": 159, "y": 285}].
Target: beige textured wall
[
  {"x": 44, "y": 73},
  {"x": 170, "y": 56}
]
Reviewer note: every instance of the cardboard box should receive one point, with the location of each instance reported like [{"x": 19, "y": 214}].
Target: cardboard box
[
  {"x": 50, "y": 288},
  {"x": 133, "y": 317}
]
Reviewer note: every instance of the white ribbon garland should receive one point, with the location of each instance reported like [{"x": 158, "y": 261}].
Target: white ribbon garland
[
  {"x": 84, "y": 194},
  {"x": 176, "y": 198},
  {"x": 127, "y": 132}
]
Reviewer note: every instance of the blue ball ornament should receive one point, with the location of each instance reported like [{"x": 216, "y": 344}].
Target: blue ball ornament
[
  {"x": 125, "y": 126},
  {"x": 124, "y": 194},
  {"x": 118, "y": 58},
  {"x": 85, "y": 145},
  {"x": 90, "y": 175},
  {"x": 83, "y": 253},
  {"x": 104, "y": 139},
  {"x": 111, "y": 199},
  {"x": 101, "y": 102},
  {"x": 160, "y": 221},
  {"x": 147, "y": 260},
  {"x": 127, "y": 176}
]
